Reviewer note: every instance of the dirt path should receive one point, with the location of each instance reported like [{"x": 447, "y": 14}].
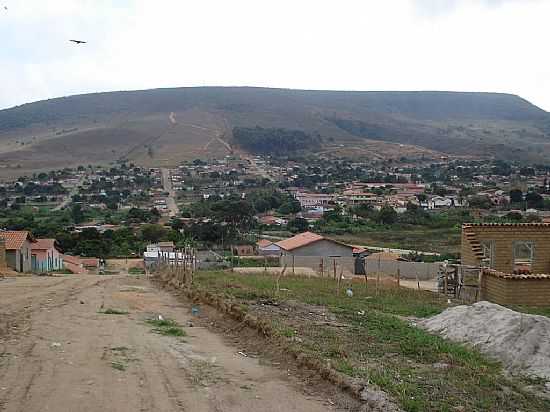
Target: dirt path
[
  {"x": 59, "y": 353},
  {"x": 171, "y": 198}
]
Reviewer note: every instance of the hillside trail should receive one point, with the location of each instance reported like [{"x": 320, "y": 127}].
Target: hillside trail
[{"x": 59, "y": 352}]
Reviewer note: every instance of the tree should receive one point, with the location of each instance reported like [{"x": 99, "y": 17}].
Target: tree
[
  {"x": 298, "y": 225},
  {"x": 516, "y": 196},
  {"x": 534, "y": 200},
  {"x": 480, "y": 202},
  {"x": 387, "y": 215},
  {"x": 153, "y": 233},
  {"x": 77, "y": 214}
]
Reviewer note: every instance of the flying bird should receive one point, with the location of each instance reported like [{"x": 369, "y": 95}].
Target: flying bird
[{"x": 78, "y": 41}]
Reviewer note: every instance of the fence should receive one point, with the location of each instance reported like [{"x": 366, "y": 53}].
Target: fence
[
  {"x": 327, "y": 266},
  {"x": 323, "y": 266}
]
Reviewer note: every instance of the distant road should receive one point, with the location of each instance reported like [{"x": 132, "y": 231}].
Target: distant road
[
  {"x": 173, "y": 209},
  {"x": 69, "y": 197}
]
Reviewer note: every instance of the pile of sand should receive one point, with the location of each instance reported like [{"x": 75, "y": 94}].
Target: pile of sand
[{"x": 520, "y": 341}]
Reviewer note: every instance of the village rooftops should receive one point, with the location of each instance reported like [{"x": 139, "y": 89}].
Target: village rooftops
[{"x": 16, "y": 238}]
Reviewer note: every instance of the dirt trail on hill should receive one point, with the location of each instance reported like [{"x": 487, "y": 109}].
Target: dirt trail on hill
[{"x": 59, "y": 353}]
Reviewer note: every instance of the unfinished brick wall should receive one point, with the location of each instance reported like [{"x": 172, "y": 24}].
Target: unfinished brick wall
[
  {"x": 505, "y": 289},
  {"x": 503, "y": 237}
]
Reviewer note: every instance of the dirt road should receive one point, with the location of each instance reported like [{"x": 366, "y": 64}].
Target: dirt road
[
  {"x": 171, "y": 198},
  {"x": 59, "y": 353}
]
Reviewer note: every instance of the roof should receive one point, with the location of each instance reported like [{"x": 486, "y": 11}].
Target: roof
[
  {"x": 383, "y": 256},
  {"x": 299, "y": 240},
  {"x": 165, "y": 244},
  {"x": 90, "y": 262},
  {"x": 75, "y": 260},
  {"x": 15, "y": 238},
  {"x": 264, "y": 243},
  {"x": 510, "y": 225},
  {"x": 43, "y": 244}
]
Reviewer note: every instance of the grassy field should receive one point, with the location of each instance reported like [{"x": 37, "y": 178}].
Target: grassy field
[
  {"x": 442, "y": 241},
  {"x": 370, "y": 337}
]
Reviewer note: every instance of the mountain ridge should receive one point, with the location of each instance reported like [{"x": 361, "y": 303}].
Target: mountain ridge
[{"x": 485, "y": 124}]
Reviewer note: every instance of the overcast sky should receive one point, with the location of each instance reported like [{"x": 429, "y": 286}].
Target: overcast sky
[{"x": 465, "y": 45}]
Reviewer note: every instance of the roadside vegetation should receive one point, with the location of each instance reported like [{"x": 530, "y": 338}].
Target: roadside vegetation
[{"x": 371, "y": 336}]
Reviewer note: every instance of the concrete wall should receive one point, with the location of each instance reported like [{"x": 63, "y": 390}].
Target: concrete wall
[
  {"x": 322, "y": 248},
  {"x": 514, "y": 290},
  {"x": 322, "y": 265},
  {"x": 503, "y": 237}
]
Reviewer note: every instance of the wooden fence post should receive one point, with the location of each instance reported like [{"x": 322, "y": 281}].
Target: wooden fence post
[{"x": 398, "y": 276}]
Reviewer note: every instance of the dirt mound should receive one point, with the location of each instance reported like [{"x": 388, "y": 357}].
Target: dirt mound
[{"x": 520, "y": 341}]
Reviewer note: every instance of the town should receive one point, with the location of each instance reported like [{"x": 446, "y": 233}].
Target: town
[{"x": 115, "y": 211}]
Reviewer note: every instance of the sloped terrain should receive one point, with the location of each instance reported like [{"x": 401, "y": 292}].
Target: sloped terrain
[{"x": 163, "y": 126}]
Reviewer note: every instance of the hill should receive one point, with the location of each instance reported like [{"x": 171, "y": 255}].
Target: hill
[{"x": 164, "y": 126}]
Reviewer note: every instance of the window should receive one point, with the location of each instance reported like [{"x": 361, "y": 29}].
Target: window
[
  {"x": 524, "y": 253},
  {"x": 488, "y": 250}
]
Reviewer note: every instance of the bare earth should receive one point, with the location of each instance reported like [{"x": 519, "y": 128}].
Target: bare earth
[{"x": 59, "y": 353}]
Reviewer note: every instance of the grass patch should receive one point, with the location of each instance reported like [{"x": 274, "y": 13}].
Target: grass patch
[
  {"x": 119, "y": 366},
  {"x": 167, "y": 327},
  {"x": 136, "y": 271},
  {"x": 111, "y": 311},
  {"x": 423, "y": 372},
  {"x": 533, "y": 310}
]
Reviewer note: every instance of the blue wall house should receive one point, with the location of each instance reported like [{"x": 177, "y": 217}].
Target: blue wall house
[{"x": 46, "y": 256}]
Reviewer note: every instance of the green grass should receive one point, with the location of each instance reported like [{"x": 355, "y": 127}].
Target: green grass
[
  {"x": 167, "y": 327},
  {"x": 441, "y": 240},
  {"x": 136, "y": 271},
  {"x": 533, "y": 310},
  {"x": 111, "y": 311},
  {"x": 379, "y": 345},
  {"x": 118, "y": 366}
]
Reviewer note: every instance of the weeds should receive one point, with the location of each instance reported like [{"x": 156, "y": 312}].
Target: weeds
[
  {"x": 118, "y": 365},
  {"x": 423, "y": 372},
  {"x": 111, "y": 311},
  {"x": 167, "y": 327}
]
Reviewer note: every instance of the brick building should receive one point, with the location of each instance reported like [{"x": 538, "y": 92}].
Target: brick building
[
  {"x": 507, "y": 248},
  {"x": 515, "y": 259}
]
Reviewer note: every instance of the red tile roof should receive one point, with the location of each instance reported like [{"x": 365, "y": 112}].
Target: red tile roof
[
  {"x": 264, "y": 243},
  {"x": 300, "y": 240},
  {"x": 43, "y": 244},
  {"x": 15, "y": 239}
]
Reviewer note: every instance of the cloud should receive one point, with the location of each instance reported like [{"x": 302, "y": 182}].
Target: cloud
[
  {"x": 315, "y": 44},
  {"x": 442, "y": 7}
]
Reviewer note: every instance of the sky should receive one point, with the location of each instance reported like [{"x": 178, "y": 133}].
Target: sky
[{"x": 458, "y": 45}]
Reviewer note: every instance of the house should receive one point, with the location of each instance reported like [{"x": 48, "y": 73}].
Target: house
[
  {"x": 514, "y": 261},
  {"x": 312, "y": 244},
  {"x": 18, "y": 249},
  {"x": 161, "y": 247},
  {"x": 507, "y": 247},
  {"x": 45, "y": 256},
  {"x": 268, "y": 248},
  {"x": 308, "y": 200},
  {"x": 243, "y": 250}
]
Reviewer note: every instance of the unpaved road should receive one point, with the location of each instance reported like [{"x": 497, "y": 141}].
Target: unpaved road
[
  {"x": 59, "y": 353},
  {"x": 171, "y": 198}
]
